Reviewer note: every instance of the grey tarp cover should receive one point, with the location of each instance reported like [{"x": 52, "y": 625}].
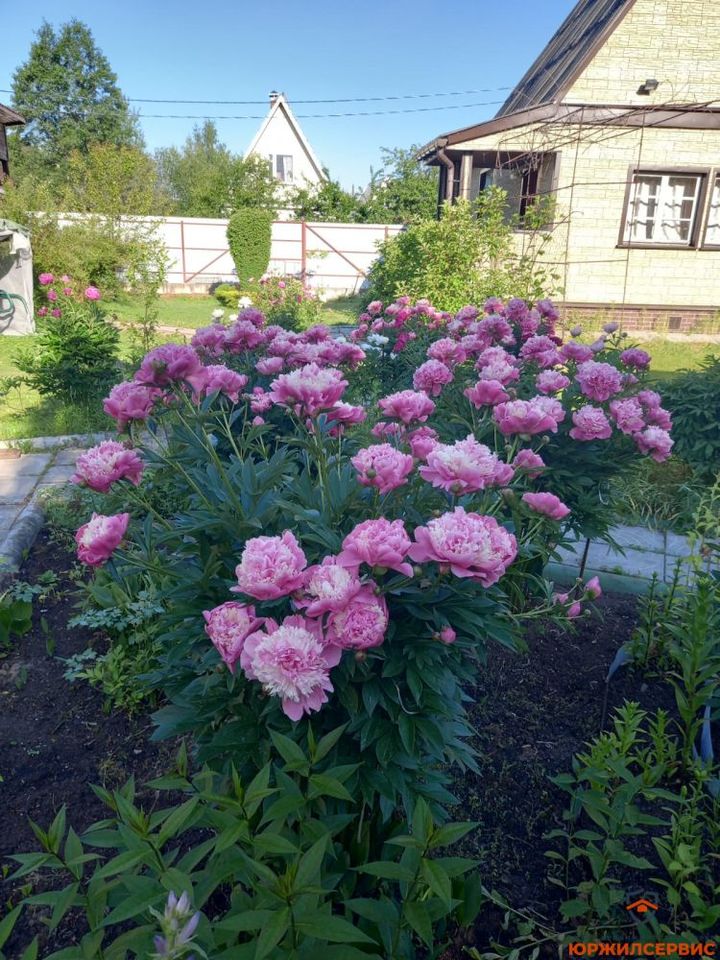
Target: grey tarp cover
[{"x": 16, "y": 280}]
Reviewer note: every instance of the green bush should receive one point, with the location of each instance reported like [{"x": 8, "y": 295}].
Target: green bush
[
  {"x": 287, "y": 301},
  {"x": 249, "y": 235},
  {"x": 74, "y": 357},
  {"x": 693, "y": 398},
  {"x": 228, "y": 294},
  {"x": 466, "y": 256}
]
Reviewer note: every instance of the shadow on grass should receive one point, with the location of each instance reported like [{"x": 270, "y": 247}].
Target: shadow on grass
[{"x": 25, "y": 415}]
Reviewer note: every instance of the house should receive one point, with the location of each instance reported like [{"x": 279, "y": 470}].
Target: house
[
  {"x": 8, "y": 118},
  {"x": 280, "y": 139},
  {"x": 618, "y": 121}
]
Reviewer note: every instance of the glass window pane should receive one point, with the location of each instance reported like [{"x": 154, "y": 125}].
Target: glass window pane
[{"x": 712, "y": 234}]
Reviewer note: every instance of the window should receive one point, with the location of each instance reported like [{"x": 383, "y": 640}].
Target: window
[
  {"x": 284, "y": 168},
  {"x": 712, "y": 231},
  {"x": 663, "y": 209},
  {"x": 529, "y": 189}
]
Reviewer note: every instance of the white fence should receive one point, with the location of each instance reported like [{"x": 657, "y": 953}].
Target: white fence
[{"x": 333, "y": 257}]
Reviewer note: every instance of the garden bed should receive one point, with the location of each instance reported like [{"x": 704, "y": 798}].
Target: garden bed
[{"x": 532, "y": 713}]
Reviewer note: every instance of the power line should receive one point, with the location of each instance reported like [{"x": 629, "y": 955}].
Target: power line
[
  {"x": 307, "y": 116},
  {"x": 399, "y": 96}
]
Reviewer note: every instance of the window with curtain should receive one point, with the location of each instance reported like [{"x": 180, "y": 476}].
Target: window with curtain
[
  {"x": 712, "y": 231},
  {"x": 284, "y": 167},
  {"x": 663, "y": 208}
]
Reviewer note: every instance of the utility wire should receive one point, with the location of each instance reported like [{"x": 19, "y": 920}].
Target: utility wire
[
  {"x": 400, "y": 96},
  {"x": 307, "y": 116}
]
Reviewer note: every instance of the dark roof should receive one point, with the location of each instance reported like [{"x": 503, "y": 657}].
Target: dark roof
[
  {"x": 584, "y": 31},
  {"x": 9, "y": 118}
]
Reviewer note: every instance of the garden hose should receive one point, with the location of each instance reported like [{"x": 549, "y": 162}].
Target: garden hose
[{"x": 7, "y": 313}]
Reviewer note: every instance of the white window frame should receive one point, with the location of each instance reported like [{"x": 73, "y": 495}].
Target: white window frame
[
  {"x": 283, "y": 177},
  {"x": 712, "y": 222},
  {"x": 658, "y": 203}
]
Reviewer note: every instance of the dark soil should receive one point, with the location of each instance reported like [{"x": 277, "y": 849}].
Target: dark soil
[{"x": 55, "y": 737}]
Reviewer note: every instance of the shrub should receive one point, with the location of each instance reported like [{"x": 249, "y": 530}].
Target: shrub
[
  {"x": 74, "y": 357},
  {"x": 287, "y": 301},
  {"x": 694, "y": 399},
  {"x": 466, "y": 256},
  {"x": 249, "y": 234},
  {"x": 228, "y": 294}
]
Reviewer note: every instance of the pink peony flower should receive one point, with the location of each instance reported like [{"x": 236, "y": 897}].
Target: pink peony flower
[
  {"x": 382, "y": 466},
  {"x": 67, "y": 291},
  {"x": 551, "y": 381},
  {"x": 590, "y": 423},
  {"x": 252, "y": 315},
  {"x": 260, "y": 401},
  {"x": 361, "y": 623},
  {"x": 92, "y": 293},
  {"x": 577, "y": 352},
  {"x": 658, "y": 417},
  {"x": 593, "y": 588},
  {"x": 270, "y": 567},
  {"x": 222, "y": 379},
  {"x": 102, "y": 466},
  {"x": 210, "y": 341},
  {"x": 422, "y": 441},
  {"x": 257, "y": 421},
  {"x": 540, "y": 350},
  {"x": 378, "y": 543},
  {"x": 308, "y": 390},
  {"x": 654, "y": 441},
  {"x": 243, "y": 335},
  {"x": 547, "y": 504},
  {"x": 45, "y": 279},
  {"x": 269, "y": 366},
  {"x": 635, "y": 359},
  {"x": 530, "y": 462},
  {"x": 447, "y": 635},
  {"x": 465, "y": 467},
  {"x": 599, "y": 381},
  {"x": 374, "y": 308},
  {"x": 468, "y": 544},
  {"x": 574, "y": 610},
  {"x": 56, "y": 312},
  {"x": 384, "y": 429},
  {"x": 42, "y": 311},
  {"x": 576, "y": 330},
  {"x": 227, "y": 626},
  {"x": 52, "y": 295},
  {"x": 99, "y": 537},
  {"x": 130, "y": 401},
  {"x": 628, "y": 415},
  {"x": 526, "y": 416},
  {"x": 486, "y": 393},
  {"x": 344, "y": 415},
  {"x": 407, "y": 405},
  {"x": 431, "y": 377},
  {"x": 448, "y": 351},
  {"x": 292, "y": 661},
  {"x": 171, "y": 363},
  {"x": 327, "y": 587}
]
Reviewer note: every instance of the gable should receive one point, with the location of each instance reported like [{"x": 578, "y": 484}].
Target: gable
[
  {"x": 676, "y": 42},
  {"x": 280, "y": 135},
  {"x": 582, "y": 33}
]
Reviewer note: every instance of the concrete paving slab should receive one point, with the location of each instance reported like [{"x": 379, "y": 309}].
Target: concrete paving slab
[
  {"x": 59, "y": 474},
  {"x": 67, "y": 456},
  {"x": 29, "y": 465},
  {"x": 639, "y": 538},
  {"x": 677, "y": 545},
  {"x": 635, "y": 563},
  {"x": 16, "y": 489}
]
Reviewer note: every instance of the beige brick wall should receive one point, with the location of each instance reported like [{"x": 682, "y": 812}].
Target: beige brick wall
[{"x": 675, "y": 41}]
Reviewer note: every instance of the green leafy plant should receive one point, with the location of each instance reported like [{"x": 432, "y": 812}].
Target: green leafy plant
[
  {"x": 694, "y": 400},
  {"x": 15, "y": 617},
  {"x": 249, "y": 233},
  {"x": 228, "y": 294},
  {"x": 269, "y": 866}
]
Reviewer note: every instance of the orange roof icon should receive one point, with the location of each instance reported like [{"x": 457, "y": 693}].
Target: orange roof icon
[{"x": 642, "y": 905}]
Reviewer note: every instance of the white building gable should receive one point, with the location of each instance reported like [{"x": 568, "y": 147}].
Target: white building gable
[{"x": 281, "y": 141}]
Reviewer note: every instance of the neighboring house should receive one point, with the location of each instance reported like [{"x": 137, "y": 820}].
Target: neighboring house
[
  {"x": 8, "y": 118},
  {"x": 618, "y": 120},
  {"x": 281, "y": 141}
]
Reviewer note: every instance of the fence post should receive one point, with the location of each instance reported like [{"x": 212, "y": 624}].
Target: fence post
[
  {"x": 303, "y": 250},
  {"x": 182, "y": 249}
]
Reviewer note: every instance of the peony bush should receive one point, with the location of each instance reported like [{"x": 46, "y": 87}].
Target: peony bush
[{"x": 329, "y": 560}]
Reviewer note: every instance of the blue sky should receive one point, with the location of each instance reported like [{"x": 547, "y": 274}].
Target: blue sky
[{"x": 235, "y": 50}]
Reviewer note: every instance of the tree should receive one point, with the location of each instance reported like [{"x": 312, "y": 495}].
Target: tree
[
  {"x": 326, "y": 201},
  {"x": 402, "y": 191},
  {"x": 70, "y": 97},
  {"x": 113, "y": 181},
  {"x": 204, "y": 179}
]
